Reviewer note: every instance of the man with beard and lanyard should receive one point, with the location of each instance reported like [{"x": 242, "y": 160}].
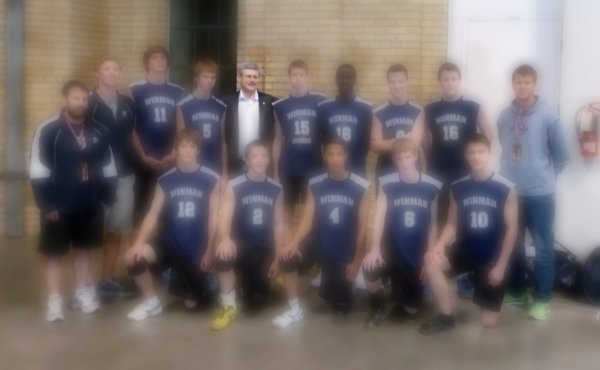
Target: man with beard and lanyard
[{"x": 72, "y": 174}]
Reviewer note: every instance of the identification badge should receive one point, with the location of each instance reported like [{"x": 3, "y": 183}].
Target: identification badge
[
  {"x": 517, "y": 152},
  {"x": 84, "y": 173}
]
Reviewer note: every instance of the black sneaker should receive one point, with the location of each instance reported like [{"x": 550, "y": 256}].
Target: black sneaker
[
  {"x": 437, "y": 325},
  {"x": 376, "y": 318},
  {"x": 111, "y": 289}
]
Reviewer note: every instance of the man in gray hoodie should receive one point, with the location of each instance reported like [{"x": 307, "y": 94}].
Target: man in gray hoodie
[{"x": 534, "y": 151}]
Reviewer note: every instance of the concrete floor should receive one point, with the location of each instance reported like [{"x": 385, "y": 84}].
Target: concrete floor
[{"x": 180, "y": 340}]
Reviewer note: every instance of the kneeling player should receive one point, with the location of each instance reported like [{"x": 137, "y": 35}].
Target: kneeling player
[
  {"x": 482, "y": 217},
  {"x": 250, "y": 229},
  {"x": 185, "y": 201},
  {"x": 404, "y": 225},
  {"x": 335, "y": 214}
]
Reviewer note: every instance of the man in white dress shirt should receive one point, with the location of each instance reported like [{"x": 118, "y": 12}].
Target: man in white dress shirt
[{"x": 249, "y": 116}]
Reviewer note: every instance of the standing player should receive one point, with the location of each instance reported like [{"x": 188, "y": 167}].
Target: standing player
[
  {"x": 251, "y": 231},
  {"x": 186, "y": 201},
  {"x": 397, "y": 118},
  {"x": 482, "y": 217},
  {"x": 451, "y": 121},
  {"x": 349, "y": 117},
  {"x": 297, "y": 147},
  {"x": 404, "y": 225},
  {"x": 335, "y": 214},
  {"x": 114, "y": 113},
  {"x": 202, "y": 112},
  {"x": 155, "y": 101},
  {"x": 72, "y": 174}
]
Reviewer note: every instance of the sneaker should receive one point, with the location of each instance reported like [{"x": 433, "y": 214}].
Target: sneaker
[
  {"x": 86, "y": 300},
  {"x": 516, "y": 299},
  {"x": 437, "y": 325},
  {"x": 539, "y": 311},
  {"x": 146, "y": 309},
  {"x": 54, "y": 313},
  {"x": 225, "y": 316},
  {"x": 376, "y": 318},
  {"x": 316, "y": 282},
  {"x": 111, "y": 289},
  {"x": 288, "y": 318},
  {"x": 464, "y": 286},
  {"x": 360, "y": 283}
]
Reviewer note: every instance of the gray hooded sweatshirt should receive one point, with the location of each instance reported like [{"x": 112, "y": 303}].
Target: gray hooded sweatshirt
[{"x": 534, "y": 148}]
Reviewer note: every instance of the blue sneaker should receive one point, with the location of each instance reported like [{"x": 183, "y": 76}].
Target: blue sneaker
[
  {"x": 464, "y": 286},
  {"x": 111, "y": 289}
]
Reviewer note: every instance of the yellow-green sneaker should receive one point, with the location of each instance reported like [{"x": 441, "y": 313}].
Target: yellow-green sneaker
[
  {"x": 539, "y": 311},
  {"x": 225, "y": 316},
  {"x": 516, "y": 300}
]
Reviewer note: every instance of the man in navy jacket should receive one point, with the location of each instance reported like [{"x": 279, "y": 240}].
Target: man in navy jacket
[{"x": 72, "y": 174}]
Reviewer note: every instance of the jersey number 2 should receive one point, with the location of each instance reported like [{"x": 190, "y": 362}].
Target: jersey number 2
[{"x": 257, "y": 216}]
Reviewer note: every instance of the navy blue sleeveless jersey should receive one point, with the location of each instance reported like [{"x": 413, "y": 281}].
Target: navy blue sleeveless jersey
[
  {"x": 396, "y": 121},
  {"x": 450, "y": 124},
  {"x": 156, "y": 112},
  {"x": 351, "y": 121},
  {"x": 186, "y": 209},
  {"x": 204, "y": 116},
  {"x": 254, "y": 211},
  {"x": 301, "y": 147},
  {"x": 335, "y": 223},
  {"x": 480, "y": 206},
  {"x": 408, "y": 216}
]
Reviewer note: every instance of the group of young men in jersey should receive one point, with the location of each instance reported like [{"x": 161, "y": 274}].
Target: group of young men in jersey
[{"x": 197, "y": 218}]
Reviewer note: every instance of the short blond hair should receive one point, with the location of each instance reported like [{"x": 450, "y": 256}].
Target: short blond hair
[
  {"x": 107, "y": 58},
  {"x": 404, "y": 144}
]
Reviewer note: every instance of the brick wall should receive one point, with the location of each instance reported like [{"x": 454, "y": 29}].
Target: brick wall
[
  {"x": 371, "y": 34},
  {"x": 67, "y": 47},
  {"x": 63, "y": 39}
]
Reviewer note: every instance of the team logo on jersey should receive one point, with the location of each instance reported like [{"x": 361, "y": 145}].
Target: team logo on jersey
[
  {"x": 95, "y": 139},
  {"x": 124, "y": 113}
]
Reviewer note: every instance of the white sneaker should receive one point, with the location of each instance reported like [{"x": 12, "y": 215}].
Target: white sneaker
[
  {"x": 360, "y": 281},
  {"x": 86, "y": 300},
  {"x": 288, "y": 318},
  {"x": 54, "y": 312},
  {"x": 144, "y": 310},
  {"x": 316, "y": 282}
]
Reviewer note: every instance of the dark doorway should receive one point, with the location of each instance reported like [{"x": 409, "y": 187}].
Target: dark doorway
[{"x": 203, "y": 28}]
